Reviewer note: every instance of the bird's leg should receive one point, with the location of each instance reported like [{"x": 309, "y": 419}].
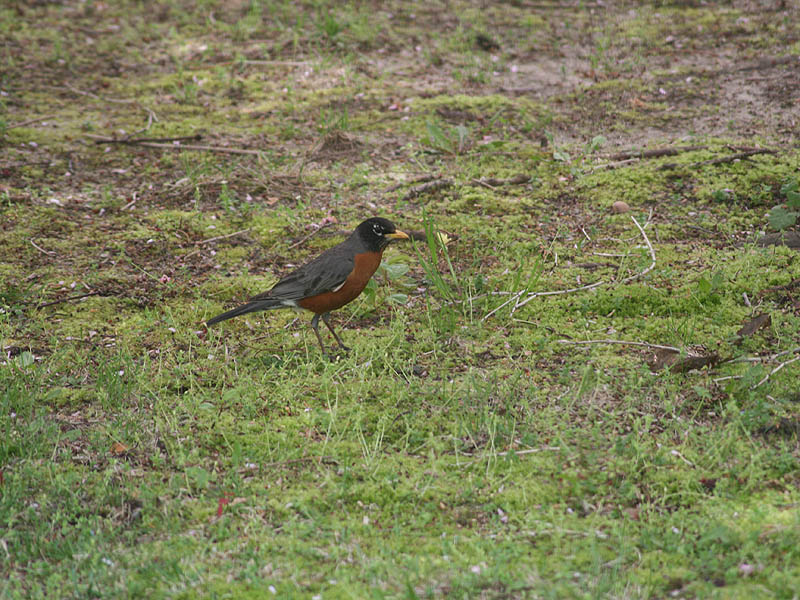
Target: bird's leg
[
  {"x": 325, "y": 317},
  {"x": 315, "y": 327}
]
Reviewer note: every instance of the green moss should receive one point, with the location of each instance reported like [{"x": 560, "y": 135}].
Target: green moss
[
  {"x": 476, "y": 104},
  {"x": 463, "y": 447}
]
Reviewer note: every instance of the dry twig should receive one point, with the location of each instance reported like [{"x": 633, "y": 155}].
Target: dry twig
[
  {"x": 267, "y": 63},
  {"x": 726, "y": 378},
  {"x": 776, "y": 369},
  {"x": 151, "y": 115},
  {"x": 427, "y": 187},
  {"x": 721, "y": 159},
  {"x": 615, "y": 164},
  {"x": 29, "y": 122},
  {"x": 420, "y": 179},
  {"x": 623, "y": 342},
  {"x": 511, "y": 452},
  {"x": 99, "y": 139},
  {"x": 530, "y": 451},
  {"x": 328, "y": 460},
  {"x": 178, "y": 146},
  {"x": 649, "y": 247},
  {"x": 42, "y": 250},
  {"x": 531, "y": 295},
  {"x": 221, "y": 237},
  {"x": 69, "y": 299},
  {"x": 492, "y": 182},
  {"x": 654, "y": 153},
  {"x": 659, "y": 152},
  {"x": 101, "y": 98},
  {"x": 769, "y": 62},
  {"x": 310, "y": 235}
]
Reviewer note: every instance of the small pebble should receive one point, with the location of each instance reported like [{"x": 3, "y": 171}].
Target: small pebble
[{"x": 620, "y": 207}]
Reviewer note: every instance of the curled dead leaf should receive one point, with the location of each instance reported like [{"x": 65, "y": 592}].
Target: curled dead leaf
[
  {"x": 754, "y": 324},
  {"x": 677, "y": 362},
  {"x": 119, "y": 449}
]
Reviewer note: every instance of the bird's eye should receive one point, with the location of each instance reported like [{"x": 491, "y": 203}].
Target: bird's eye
[{"x": 376, "y": 227}]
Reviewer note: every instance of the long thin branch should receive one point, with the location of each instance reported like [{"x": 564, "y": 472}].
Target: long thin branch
[
  {"x": 427, "y": 187},
  {"x": 582, "y": 288},
  {"x": 654, "y": 153},
  {"x": 101, "y": 98},
  {"x": 721, "y": 159},
  {"x": 507, "y": 302},
  {"x": 726, "y": 378},
  {"x": 649, "y": 247},
  {"x": 659, "y": 152},
  {"x": 674, "y": 349},
  {"x": 69, "y": 299},
  {"x": 614, "y": 165},
  {"x": 530, "y": 451},
  {"x": 151, "y": 115},
  {"x": 775, "y": 370},
  {"x": 139, "y": 142},
  {"x": 623, "y": 342},
  {"x": 268, "y": 63},
  {"x": 29, "y": 122},
  {"x": 512, "y": 452},
  {"x": 492, "y": 182},
  {"x": 99, "y": 139},
  {"x": 222, "y": 237},
  {"x": 790, "y": 351},
  {"x": 421, "y": 179},
  {"x": 760, "y": 359},
  {"x": 769, "y": 62},
  {"x": 42, "y": 250},
  {"x": 309, "y": 236},
  {"x": 200, "y": 148},
  {"x": 294, "y": 461}
]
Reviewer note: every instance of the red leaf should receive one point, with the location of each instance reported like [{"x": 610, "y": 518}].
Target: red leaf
[{"x": 222, "y": 502}]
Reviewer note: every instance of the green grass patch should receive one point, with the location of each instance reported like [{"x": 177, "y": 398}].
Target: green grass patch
[{"x": 516, "y": 417}]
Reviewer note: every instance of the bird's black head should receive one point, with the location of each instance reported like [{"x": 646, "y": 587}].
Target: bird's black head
[{"x": 377, "y": 233}]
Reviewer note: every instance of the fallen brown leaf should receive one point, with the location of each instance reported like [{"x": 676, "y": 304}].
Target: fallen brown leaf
[
  {"x": 119, "y": 449},
  {"x": 754, "y": 324},
  {"x": 678, "y": 363}
]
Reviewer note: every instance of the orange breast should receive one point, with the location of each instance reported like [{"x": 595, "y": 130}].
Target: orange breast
[{"x": 365, "y": 266}]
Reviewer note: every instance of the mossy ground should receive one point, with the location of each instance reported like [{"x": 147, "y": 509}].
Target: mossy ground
[{"x": 465, "y": 447}]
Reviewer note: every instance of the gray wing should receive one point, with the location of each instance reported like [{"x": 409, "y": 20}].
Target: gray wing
[{"x": 323, "y": 274}]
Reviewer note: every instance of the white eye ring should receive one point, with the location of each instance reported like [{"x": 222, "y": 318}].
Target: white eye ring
[{"x": 377, "y": 229}]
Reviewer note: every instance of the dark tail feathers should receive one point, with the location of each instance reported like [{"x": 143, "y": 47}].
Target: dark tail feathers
[{"x": 244, "y": 309}]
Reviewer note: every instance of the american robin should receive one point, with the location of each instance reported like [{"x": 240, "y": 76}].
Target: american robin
[{"x": 334, "y": 278}]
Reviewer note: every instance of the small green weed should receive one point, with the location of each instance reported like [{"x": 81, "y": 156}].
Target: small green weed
[
  {"x": 187, "y": 91},
  {"x": 328, "y": 27},
  {"x": 436, "y": 248},
  {"x": 3, "y": 117},
  {"x": 722, "y": 195},
  {"x": 17, "y": 298},
  {"x": 452, "y": 141},
  {"x": 332, "y": 120},
  {"x": 391, "y": 271},
  {"x": 783, "y": 217}
]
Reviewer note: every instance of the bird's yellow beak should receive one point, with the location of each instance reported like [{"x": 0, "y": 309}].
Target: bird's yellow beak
[{"x": 397, "y": 235}]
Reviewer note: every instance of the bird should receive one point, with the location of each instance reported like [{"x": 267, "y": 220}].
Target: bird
[{"x": 331, "y": 280}]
